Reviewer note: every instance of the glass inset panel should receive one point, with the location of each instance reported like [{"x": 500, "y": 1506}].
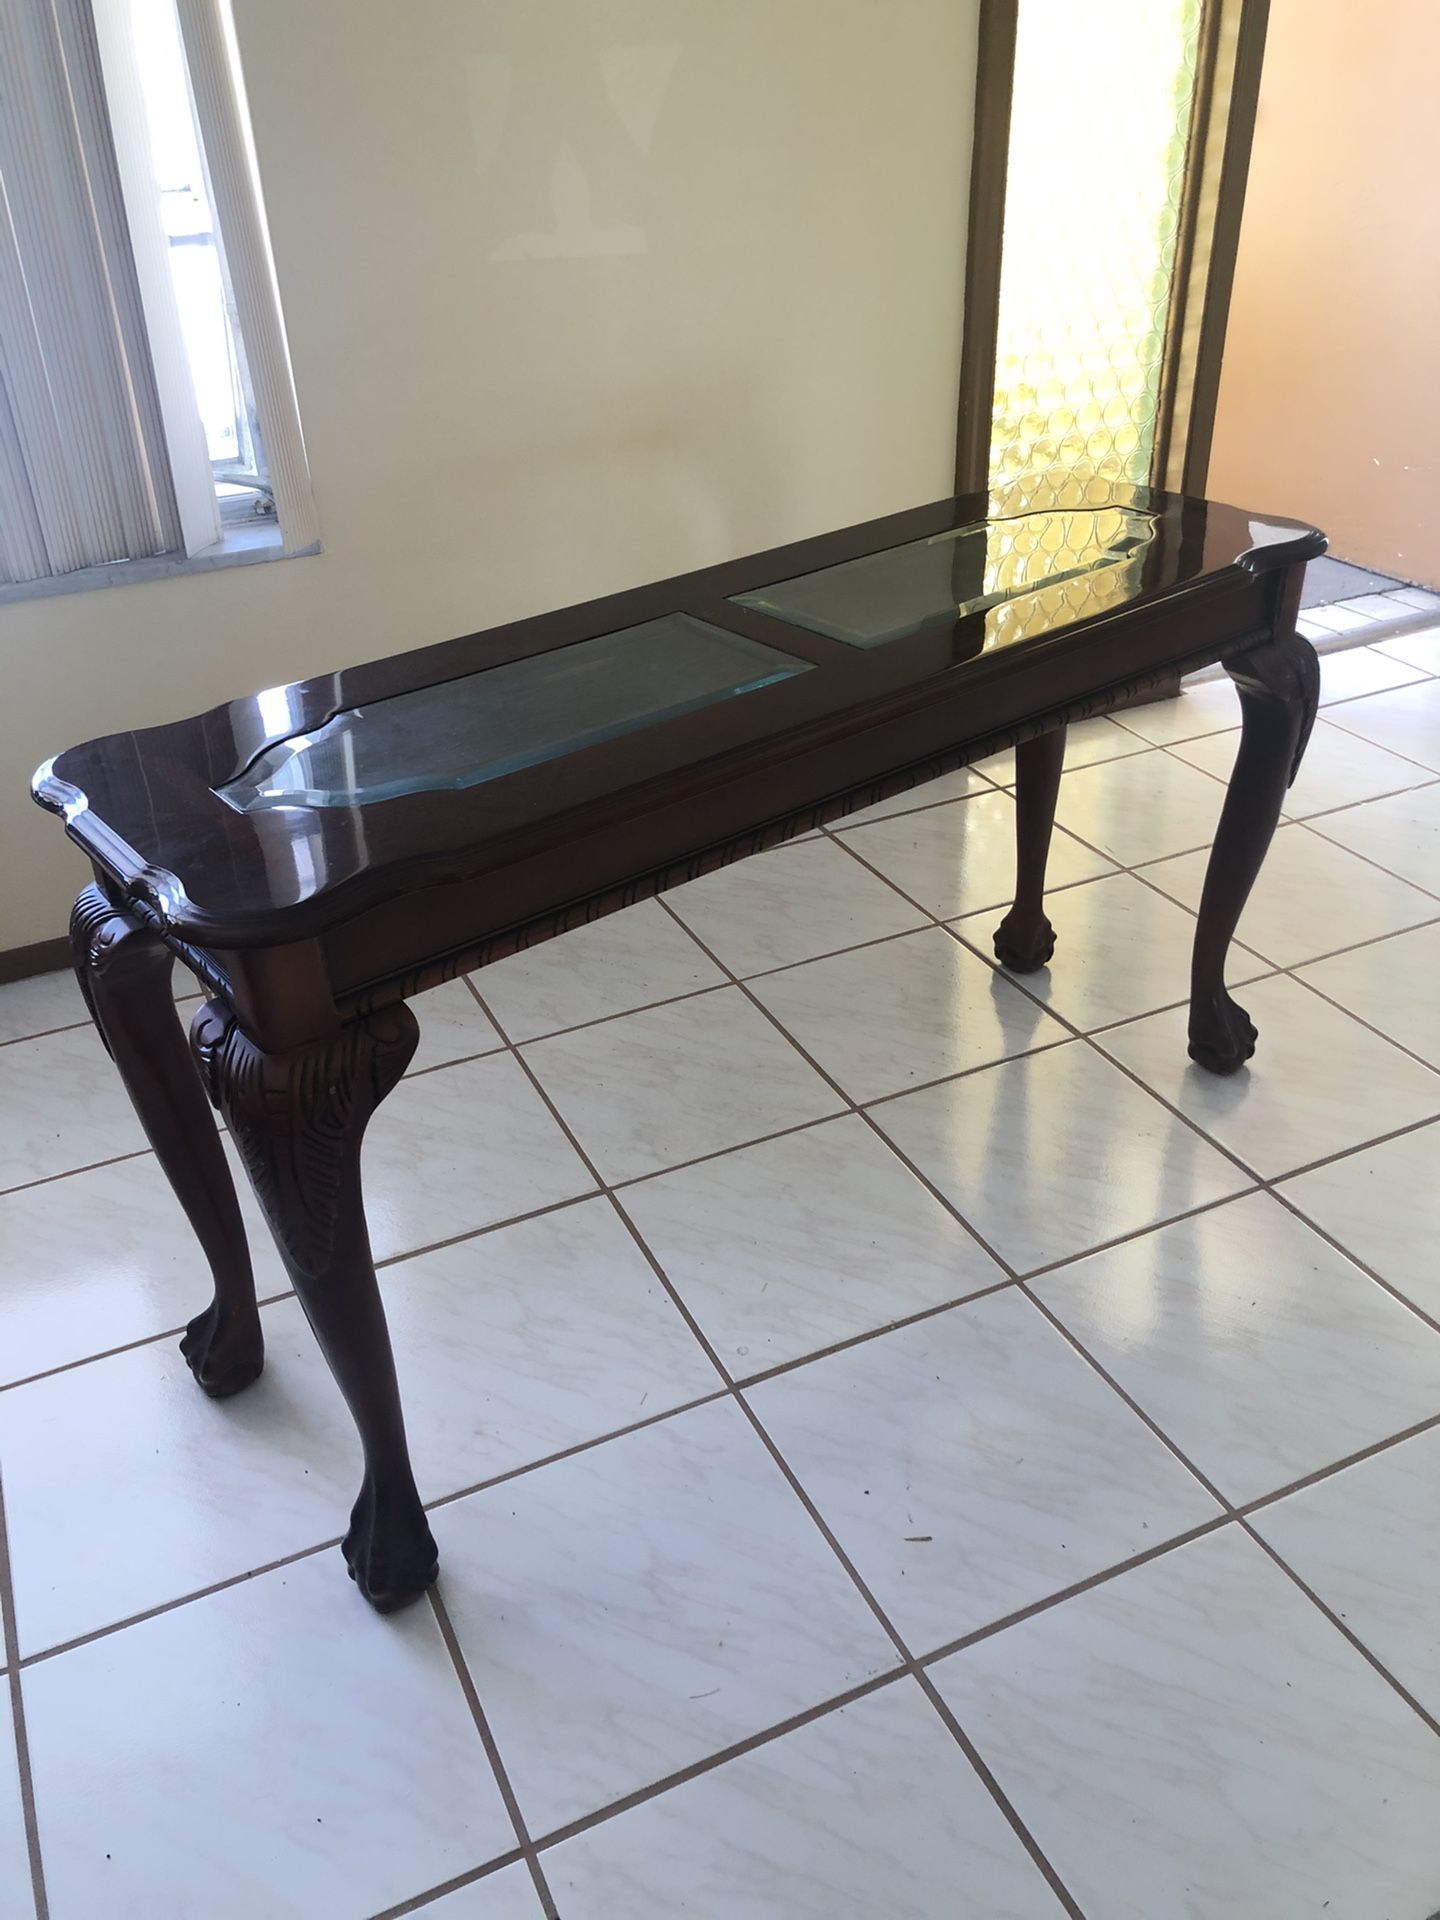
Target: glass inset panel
[
  {"x": 1091, "y": 213},
  {"x": 886, "y": 596},
  {"x": 465, "y": 731}
]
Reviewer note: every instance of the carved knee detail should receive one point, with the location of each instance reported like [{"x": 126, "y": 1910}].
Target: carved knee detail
[
  {"x": 1285, "y": 670},
  {"x": 298, "y": 1118}
]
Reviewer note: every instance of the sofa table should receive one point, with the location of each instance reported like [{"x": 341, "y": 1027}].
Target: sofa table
[{"x": 318, "y": 853}]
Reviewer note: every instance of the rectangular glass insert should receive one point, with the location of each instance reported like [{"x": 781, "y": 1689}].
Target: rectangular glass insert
[
  {"x": 885, "y": 596},
  {"x": 465, "y": 731}
]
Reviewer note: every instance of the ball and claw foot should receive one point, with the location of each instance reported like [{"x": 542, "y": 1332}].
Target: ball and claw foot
[
  {"x": 392, "y": 1558},
  {"x": 1222, "y": 1035},
  {"x": 225, "y": 1355},
  {"x": 1024, "y": 942}
]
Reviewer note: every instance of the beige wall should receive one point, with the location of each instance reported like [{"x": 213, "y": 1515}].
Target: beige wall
[
  {"x": 578, "y": 295},
  {"x": 1329, "y": 401}
]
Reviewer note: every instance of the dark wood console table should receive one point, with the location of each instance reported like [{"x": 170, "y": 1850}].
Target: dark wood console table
[{"x": 320, "y": 852}]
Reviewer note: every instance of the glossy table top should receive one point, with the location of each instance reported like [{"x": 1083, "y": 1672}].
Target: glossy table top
[{"x": 285, "y": 810}]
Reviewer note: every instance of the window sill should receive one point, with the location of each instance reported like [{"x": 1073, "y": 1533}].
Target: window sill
[{"x": 239, "y": 546}]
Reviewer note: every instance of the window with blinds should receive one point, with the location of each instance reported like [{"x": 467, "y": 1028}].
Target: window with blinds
[{"x": 145, "y": 389}]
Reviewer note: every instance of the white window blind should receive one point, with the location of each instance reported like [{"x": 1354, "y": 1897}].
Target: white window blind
[
  {"x": 84, "y": 474},
  {"x": 103, "y": 451},
  {"x": 235, "y": 196}
]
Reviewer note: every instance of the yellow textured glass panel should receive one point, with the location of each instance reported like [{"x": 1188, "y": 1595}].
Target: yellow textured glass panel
[
  {"x": 1019, "y": 553},
  {"x": 1099, "y": 125}
]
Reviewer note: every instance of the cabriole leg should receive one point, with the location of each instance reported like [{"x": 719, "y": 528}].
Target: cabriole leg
[
  {"x": 1025, "y": 939},
  {"x": 124, "y": 972},
  {"x": 1279, "y": 685},
  {"x": 298, "y": 1119}
]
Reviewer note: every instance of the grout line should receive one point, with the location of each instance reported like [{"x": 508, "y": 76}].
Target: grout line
[
  {"x": 418, "y": 1902},
  {"x": 1248, "y": 1508},
  {"x": 1235, "y": 1514},
  {"x": 324, "y": 1546},
  {"x": 492, "y": 1750},
  {"x": 1385, "y": 694},
  {"x": 1297, "y": 967},
  {"x": 994, "y": 906},
  {"x": 973, "y": 1755},
  {"x": 1355, "y": 853},
  {"x": 697, "y": 1769},
  {"x": 1170, "y": 1544},
  {"x": 1292, "y": 1206},
  {"x": 863, "y": 1113},
  {"x": 723, "y": 1372},
  {"x": 1048, "y": 1267},
  {"x": 1018, "y": 982},
  {"x": 1388, "y": 793},
  {"x": 1337, "y": 1622},
  {"x": 1320, "y": 994},
  {"x": 17, "y": 1710},
  {"x": 1260, "y": 1185},
  {"x": 91, "y": 1166},
  {"x": 602, "y": 1019},
  {"x": 43, "y": 1033},
  {"x": 1344, "y": 1153},
  {"x": 852, "y": 1340}
]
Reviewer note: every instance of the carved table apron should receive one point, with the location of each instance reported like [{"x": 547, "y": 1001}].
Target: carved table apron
[{"x": 492, "y": 813}]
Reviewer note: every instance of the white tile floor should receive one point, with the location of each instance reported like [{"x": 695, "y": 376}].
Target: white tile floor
[{"x": 902, "y": 1442}]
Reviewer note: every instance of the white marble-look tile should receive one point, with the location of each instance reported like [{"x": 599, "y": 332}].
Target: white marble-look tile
[
  {"x": 459, "y": 1149},
  {"x": 1342, "y": 616},
  {"x": 1367, "y": 1540},
  {"x": 869, "y": 1811},
  {"x": 1195, "y": 1738},
  {"x": 960, "y": 858},
  {"x": 1053, "y": 1154},
  {"x": 126, "y": 1488},
  {"x": 1142, "y": 808},
  {"x": 1087, "y": 742},
  {"x": 639, "y": 1606},
  {"x": 672, "y": 1083},
  {"x": 1401, "y": 833},
  {"x": 39, "y": 1004},
  {"x": 627, "y": 960},
  {"x": 781, "y": 1249},
  {"x": 1416, "y": 650},
  {"x": 274, "y": 1749},
  {"x": 1384, "y": 1205},
  {"x": 507, "y": 1895},
  {"x": 1338, "y": 770},
  {"x": 1257, "y": 1348},
  {"x": 1394, "y": 984},
  {"x": 1356, "y": 671},
  {"x": 105, "y": 1257},
  {"x": 972, "y": 1464},
  {"x": 887, "y": 1017},
  {"x": 1319, "y": 1082},
  {"x": 1309, "y": 897},
  {"x": 530, "y": 1339},
  {"x": 1419, "y": 599},
  {"x": 929, "y": 793},
  {"x": 61, "y": 1106},
  {"x": 1406, "y": 721},
  {"x": 15, "y": 1890},
  {"x": 453, "y": 1026},
  {"x": 1204, "y": 706},
  {"x": 1378, "y": 605},
  {"x": 787, "y": 906},
  {"x": 1122, "y": 950}
]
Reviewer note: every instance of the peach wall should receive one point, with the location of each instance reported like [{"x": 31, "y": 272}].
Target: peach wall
[{"x": 1329, "y": 399}]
